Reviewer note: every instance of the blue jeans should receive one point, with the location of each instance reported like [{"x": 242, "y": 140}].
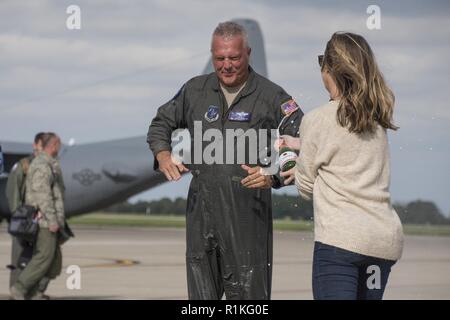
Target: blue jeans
[{"x": 340, "y": 274}]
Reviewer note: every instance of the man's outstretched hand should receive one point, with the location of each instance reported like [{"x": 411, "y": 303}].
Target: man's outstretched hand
[
  {"x": 256, "y": 178},
  {"x": 171, "y": 169}
]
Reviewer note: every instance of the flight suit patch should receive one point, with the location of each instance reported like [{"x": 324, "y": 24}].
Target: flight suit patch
[
  {"x": 289, "y": 106},
  {"x": 240, "y": 116},
  {"x": 178, "y": 93},
  {"x": 212, "y": 114}
]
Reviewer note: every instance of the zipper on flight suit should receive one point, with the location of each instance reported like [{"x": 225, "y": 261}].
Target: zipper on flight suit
[{"x": 224, "y": 102}]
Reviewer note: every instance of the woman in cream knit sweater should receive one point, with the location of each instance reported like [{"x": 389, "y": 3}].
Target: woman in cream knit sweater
[{"x": 343, "y": 166}]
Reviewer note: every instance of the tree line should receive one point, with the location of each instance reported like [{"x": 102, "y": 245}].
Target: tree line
[{"x": 286, "y": 206}]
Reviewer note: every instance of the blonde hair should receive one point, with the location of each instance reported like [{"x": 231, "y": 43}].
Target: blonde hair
[{"x": 366, "y": 100}]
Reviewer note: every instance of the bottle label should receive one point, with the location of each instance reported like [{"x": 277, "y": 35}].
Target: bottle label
[{"x": 287, "y": 157}]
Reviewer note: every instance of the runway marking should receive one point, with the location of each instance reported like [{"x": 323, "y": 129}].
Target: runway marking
[{"x": 114, "y": 264}]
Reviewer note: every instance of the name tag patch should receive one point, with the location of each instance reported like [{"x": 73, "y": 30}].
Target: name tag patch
[{"x": 240, "y": 116}]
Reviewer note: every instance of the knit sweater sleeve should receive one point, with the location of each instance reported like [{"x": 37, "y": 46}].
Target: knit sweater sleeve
[
  {"x": 306, "y": 172},
  {"x": 315, "y": 150}
]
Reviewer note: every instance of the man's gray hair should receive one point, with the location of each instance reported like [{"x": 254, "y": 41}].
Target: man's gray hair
[{"x": 231, "y": 29}]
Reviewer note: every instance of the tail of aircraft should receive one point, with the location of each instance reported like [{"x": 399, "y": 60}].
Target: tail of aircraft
[{"x": 256, "y": 42}]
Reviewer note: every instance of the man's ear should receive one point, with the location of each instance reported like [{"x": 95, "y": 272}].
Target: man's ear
[{"x": 249, "y": 50}]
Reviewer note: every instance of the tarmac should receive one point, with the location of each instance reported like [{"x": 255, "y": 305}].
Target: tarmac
[{"x": 148, "y": 263}]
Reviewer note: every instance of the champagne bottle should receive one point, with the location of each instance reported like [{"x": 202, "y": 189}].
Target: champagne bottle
[{"x": 288, "y": 158}]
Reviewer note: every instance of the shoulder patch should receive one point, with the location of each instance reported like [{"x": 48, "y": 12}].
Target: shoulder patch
[
  {"x": 178, "y": 93},
  {"x": 289, "y": 106},
  {"x": 14, "y": 166}
]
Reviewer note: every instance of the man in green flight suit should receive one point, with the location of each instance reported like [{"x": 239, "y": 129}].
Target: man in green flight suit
[
  {"x": 21, "y": 251},
  {"x": 44, "y": 191},
  {"x": 229, "y": 209}
]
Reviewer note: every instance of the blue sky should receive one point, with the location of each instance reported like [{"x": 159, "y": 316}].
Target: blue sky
[{"x": 106, "y": 80}]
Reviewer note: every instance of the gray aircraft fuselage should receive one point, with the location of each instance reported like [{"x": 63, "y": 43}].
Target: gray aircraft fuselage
[{"x": 97, "y": 175}]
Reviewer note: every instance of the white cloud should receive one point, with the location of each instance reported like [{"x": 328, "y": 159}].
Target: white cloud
[{"x": 74, "y": 54}]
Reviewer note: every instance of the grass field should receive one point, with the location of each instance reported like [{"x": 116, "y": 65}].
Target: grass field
[{"x": 134, "y": 220}]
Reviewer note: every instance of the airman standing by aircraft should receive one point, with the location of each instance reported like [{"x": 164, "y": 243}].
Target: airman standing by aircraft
[
  {"x": 229, "y": 210},
  {"x": 45, "y": 192},
  {"x": 21, "y": 251}
]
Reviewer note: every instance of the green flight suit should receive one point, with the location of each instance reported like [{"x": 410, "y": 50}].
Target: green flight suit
[
  {"x": 21, "y": 251},
  {"x": 44, "y": 190},
  {"x": 228, "y": 226}
]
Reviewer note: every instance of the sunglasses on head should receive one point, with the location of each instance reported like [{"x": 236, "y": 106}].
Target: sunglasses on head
[{"x": 320, "y": 60}]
